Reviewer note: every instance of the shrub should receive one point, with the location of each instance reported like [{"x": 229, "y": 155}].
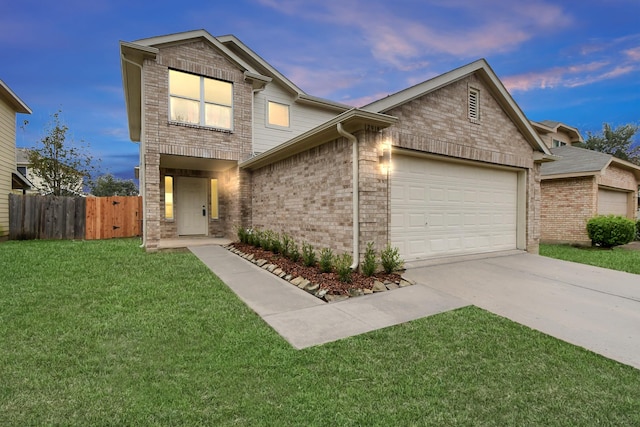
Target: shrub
[
  {"x": 276, "y": 244},
  {"x": 343, "y": 267},
  {"x": 638, "y": 229},
  {"x": 243, "y": 234},
  {"x": 254, "y": 237},
  {"x": 294, "y": 252},
  {"x": 326, "y": 260},
  {"x": 610, "y": 230},
  {"x": 308, "y": 255},
  {"x": 369, "y": 263},
  {"x": 390, "y": 259},
  {"x": 286, "y": 244}
]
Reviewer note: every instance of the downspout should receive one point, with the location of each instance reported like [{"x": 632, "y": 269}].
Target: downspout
[
  {"x": 356, "y": 196},
  {"x": 143, "y": 169}
]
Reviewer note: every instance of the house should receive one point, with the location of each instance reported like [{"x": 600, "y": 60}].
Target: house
[
  {"x": 72, "y": 187},
  {"x": 10, "y": 178},
  {"x": 450, "y": 166},
  {"x": 556, "y": 134},
  {"x": 580, "y": 185}
]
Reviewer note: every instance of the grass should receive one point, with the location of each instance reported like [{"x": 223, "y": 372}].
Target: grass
[
  {"x": 101, "y": 333},
  {"x": 615, "y": 259}
]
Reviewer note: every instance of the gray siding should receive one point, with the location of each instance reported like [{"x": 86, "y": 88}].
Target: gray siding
[{"x": 7, "y": 161}]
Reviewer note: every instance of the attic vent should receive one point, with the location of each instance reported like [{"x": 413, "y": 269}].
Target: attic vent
[{"x": 474, "y": 105}]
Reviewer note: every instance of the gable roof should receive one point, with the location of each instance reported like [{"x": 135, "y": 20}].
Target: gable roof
[
  {"x": 550, "y": 126},
  {"x": 488, "y": 76},
  {"x": 576, "y": 162},
  {"x": 13, "y": 100}
]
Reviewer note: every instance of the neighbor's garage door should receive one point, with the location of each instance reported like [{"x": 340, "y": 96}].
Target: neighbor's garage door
[
  {"x": 441, "y": 208},
  {"x": 612, "y": 202}
]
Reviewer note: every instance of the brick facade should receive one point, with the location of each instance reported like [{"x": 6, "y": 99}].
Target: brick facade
[
  {"x": 163, "y": 138},
  {"x": 567, "y": 204}
]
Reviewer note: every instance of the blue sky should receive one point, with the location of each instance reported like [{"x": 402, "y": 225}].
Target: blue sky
[{"x": 574, "y": 62}]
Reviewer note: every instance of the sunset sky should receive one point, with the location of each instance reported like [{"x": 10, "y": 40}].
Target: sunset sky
[{"x": 574, "y": 62}]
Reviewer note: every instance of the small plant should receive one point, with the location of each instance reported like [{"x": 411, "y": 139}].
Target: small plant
[
  {"x": 276, "y": 244},
  {"x": 243, "y": 234},
  {"x": 369, "y": 263},
  {"x": 308, "y": 255},
  {"x": 610, "y": 230},
  {"x": 343, "y": 267},
  {"x": 254, "y": 237},
  {"x": 638, "y": 229},
  {"x": 294, "y": 252},
  {"x": 390, "y": 259},
  {"x": 286, "y": 244},
  {"x": 326, "y": 260}
]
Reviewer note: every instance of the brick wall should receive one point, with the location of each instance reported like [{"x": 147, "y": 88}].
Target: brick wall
[
  {"x": 164, "y": 138},
  {"x": 567, "y": 204}
]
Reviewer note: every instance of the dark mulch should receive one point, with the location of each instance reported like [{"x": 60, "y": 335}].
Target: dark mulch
[{"x": 328, "y": 281}]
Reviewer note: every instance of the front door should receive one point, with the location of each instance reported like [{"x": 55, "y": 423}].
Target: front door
[{"x": 191, "y": 205}]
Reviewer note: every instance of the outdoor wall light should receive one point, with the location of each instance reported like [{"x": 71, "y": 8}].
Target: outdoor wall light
[{"x": 385, "y": 159}]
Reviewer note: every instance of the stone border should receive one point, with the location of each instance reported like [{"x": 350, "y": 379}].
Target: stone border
[{"x": 314, "y": 288}]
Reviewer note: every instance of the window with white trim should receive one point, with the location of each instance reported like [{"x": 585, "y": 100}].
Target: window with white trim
[
  {"x": 474, "y": 104},
  {"x": 277, "y": 114},
  {"x": 200, "y": 100},
  {"x": 557, "y": 143}
]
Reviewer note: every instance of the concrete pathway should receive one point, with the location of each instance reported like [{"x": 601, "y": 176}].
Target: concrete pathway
[
  {"x": 304, "y": 320},
  {"x": 591, "y": 307}
]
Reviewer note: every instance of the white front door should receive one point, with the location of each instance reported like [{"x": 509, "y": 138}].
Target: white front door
[{"x": 191, "y": 206}]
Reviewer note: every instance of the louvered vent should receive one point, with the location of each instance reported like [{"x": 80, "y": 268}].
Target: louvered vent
[{"x": 474, "y": 105}]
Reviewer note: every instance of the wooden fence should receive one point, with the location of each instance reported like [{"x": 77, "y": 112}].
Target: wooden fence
[{"x": 52, "y": 217}]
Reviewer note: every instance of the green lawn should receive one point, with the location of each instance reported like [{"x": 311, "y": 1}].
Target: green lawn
[
  {"x": 101, "y": 333},
  {"x": 615, "y": 259}
]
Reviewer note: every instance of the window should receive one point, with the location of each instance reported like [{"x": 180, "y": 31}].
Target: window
[
  {"x": 168, "y": 197},
  {"x": 277, "y": 114},
  {"x": 22, "y": 170},
  {"x": 214, "y": 199},
  {"x": 474, "y": 105},
  {"x": 556, "y": 143},
  {"x": 200, "y": 100}
]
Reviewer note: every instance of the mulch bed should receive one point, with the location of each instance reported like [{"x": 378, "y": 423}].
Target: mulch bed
[{"x": 328, "y": 281}]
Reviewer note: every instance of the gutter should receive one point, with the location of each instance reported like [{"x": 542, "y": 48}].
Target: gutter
[
  {"x": 143, "y": 168},
  {"x": 356, "y": 195}
]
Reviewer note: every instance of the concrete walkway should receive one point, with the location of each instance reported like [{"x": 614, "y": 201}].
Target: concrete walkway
[
  {"x": 591, "y": 307},
  {"x": 304, "y": 320}
]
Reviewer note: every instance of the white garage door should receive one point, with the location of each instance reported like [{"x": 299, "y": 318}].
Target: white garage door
[
  {"x": 612, "y": 202},
  {"x": 441, "y": 208}
]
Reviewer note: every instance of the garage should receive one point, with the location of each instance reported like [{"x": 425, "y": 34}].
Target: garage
[
  {"x": 612, "y": 202},
  {"x": 444, "y": 208}
]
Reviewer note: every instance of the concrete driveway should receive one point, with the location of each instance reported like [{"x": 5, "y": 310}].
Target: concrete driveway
[{"x": 591, "y": 307}]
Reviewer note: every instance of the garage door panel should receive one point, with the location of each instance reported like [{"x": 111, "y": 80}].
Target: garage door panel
[
  {"x": 612, "y": 202},
  {"x": 453, "y": 208}
]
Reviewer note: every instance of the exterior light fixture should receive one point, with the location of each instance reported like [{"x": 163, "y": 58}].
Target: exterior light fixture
[{"x": 385, "y": 159}]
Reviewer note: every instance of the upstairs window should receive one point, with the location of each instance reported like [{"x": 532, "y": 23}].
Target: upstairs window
[
  {"x": 556, "y": 143},
  {"x": 277, "y": 114},
  {"x": 474, "y": 105},
  {"x": 200, "y": 100}
]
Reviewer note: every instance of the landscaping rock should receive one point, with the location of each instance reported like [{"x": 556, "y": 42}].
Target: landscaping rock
[
  {"x": 304, "y": 283},
  {"x": 356, "y": 292},
  {"x": 281, "y": 275},
  {"x": 335, "y": 298},
  {"x": 277, "y": 271},
  {"x": 288, "y": 277},
  {"x": 367, "y": 291},
  {"x": 266, "y": 266},
  {"x": 297, "y": 280},
  {"x": 272, "y": 268},
  {"x": 404, "y": 283},
  {"x": 311, "y": 287},
  {"x": 391, "y": 286},
  {"x": 321, "y": 293},
  {"x": 250, "y": 257},
  {"x": 378, "y": 286},
  {"x": 261, "y": 262}
]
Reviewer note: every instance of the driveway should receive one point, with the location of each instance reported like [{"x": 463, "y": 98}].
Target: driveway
[{"x": 591, "y": 307}]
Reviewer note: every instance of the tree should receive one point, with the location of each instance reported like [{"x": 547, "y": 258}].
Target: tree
[
  {"x": 618, "y": 142},
  {"x": 108, "y": 185},
  {"x": 60, "y": 166}
]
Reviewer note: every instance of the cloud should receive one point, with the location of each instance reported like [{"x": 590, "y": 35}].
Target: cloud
[
  {"x": 633, "y": 54},
  {"x": 399, "y": 35}
]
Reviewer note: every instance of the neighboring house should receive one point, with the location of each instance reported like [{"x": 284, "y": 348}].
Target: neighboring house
[
  {"x": 10, "y": 178},
  {"x": 38, "y": 185},
  {"x": 556, "y": 134},
  {"x": 447, "y": 167},
  {"x": 580, "y": 185}
]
